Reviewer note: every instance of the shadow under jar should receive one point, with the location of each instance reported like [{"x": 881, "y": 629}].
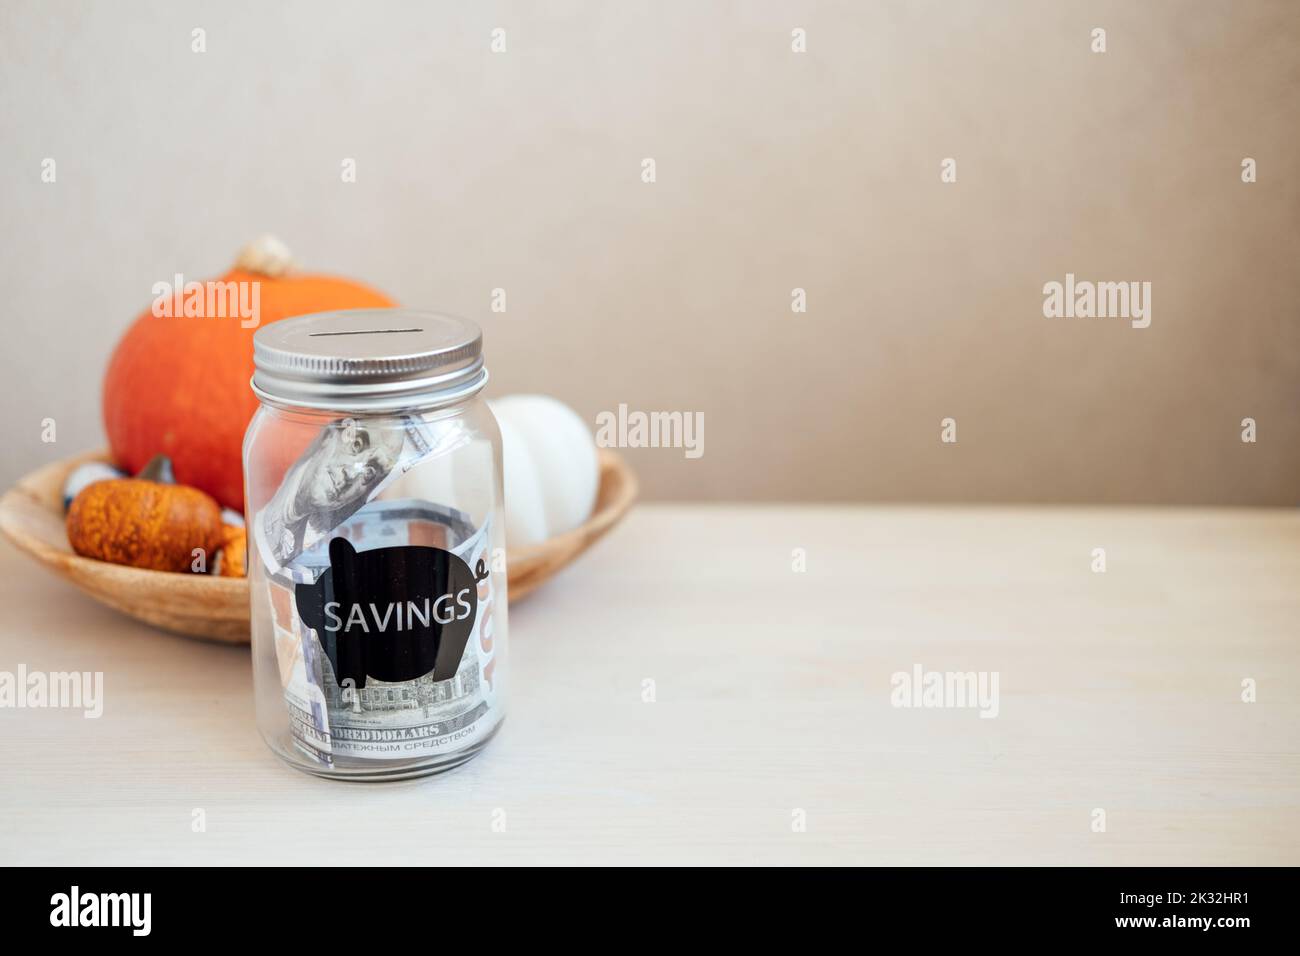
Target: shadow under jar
[{"x": 376, "y": 544}]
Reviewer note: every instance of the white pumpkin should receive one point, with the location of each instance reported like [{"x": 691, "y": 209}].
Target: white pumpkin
[
  {"x": 525, "y": 514},
  {"x": 551, "y": 467}
]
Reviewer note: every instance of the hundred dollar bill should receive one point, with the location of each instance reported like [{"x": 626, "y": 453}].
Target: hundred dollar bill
[
  {"x": 349, "y": 463},
  {"x": 332, "y": 718}
]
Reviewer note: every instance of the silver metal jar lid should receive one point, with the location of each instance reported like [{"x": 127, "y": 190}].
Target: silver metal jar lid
[{"x": 368, "y": 360}]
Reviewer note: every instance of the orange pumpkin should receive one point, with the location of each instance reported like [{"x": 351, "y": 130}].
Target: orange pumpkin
[
  {"x": 178, "y": 385},
  {"x": 145, "y": 522}
]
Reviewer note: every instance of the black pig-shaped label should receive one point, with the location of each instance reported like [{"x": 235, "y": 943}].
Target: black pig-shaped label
[{"x": 394, "y": 614}]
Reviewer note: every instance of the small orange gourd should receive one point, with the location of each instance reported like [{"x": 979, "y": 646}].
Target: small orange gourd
[
  {"x": 145, "y": 522},
  {"x": 232, "y": 559}
]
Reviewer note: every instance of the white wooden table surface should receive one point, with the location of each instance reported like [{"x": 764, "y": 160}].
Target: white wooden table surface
[{"x": 1119, "y": 691}]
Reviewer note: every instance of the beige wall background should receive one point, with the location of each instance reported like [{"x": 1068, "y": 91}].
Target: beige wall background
[{"x": 775, "y": 170}]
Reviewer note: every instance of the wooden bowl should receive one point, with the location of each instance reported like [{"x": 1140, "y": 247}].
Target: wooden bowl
[{"x": 216, "y": 608}]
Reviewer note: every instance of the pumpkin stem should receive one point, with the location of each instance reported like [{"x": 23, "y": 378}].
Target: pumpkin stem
[
  {"x": 158, "y": 469},
  {"x": 266, "y": 256}
]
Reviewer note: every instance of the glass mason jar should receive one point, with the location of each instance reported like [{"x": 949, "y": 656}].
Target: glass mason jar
[{"x": 376, "y": 568}]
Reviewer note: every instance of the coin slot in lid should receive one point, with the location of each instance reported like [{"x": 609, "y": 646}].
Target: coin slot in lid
[{"x": 312, "y": 335}]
